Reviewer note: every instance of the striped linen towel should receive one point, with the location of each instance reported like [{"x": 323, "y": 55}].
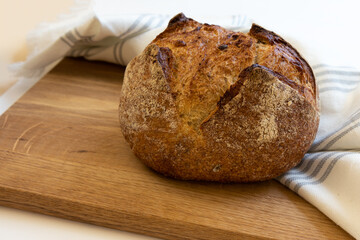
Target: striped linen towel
[{"x": 328, "y": 176}]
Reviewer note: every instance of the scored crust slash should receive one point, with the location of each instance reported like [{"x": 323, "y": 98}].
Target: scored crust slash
[{"x": 205, "y": 103}]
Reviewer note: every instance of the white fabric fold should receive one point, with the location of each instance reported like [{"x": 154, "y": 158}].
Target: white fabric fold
[{"x": 328, "y": 176}]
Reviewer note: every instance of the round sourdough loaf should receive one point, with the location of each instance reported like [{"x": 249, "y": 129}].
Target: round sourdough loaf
[{"x": 205, "y": 103}]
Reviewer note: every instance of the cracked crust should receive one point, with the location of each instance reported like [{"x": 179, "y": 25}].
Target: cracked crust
[{"x": 205, "y": 103}]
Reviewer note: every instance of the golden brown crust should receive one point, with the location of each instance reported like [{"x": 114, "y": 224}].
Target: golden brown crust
[
  {"x": 275, "y": 129},
  {"x": 197, "y": 104},
  {"x": 274, "y": 52}
]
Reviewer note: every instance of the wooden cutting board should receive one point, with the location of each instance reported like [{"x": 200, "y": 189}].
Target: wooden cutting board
[{"x": 62, "y": 154}]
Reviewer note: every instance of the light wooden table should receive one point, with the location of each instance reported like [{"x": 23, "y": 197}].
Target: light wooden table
[
  {"x": 17, "y": 19},
  {"x": 62, "y": 154}
]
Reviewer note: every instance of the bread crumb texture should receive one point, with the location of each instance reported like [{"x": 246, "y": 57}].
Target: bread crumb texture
[{"x": 205, "y": 103}]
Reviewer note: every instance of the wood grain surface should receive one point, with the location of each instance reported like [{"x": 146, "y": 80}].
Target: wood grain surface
[{"x": 62, "y": 154}]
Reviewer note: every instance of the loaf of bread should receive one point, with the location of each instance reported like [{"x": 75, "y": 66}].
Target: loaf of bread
[{"x": 205, "y": 103}]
